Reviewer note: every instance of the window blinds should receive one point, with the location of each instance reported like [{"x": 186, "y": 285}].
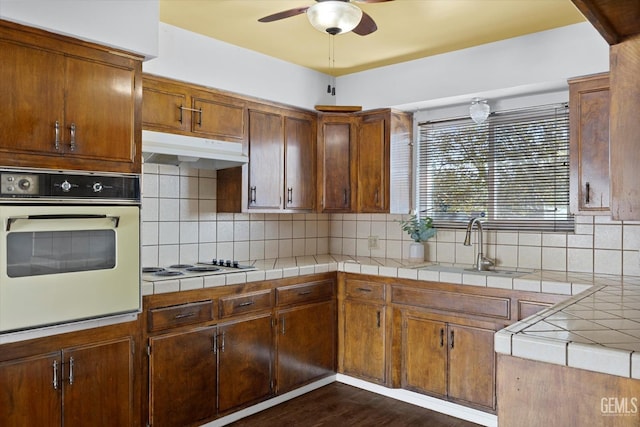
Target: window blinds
[{"x": 513, "y": 169}]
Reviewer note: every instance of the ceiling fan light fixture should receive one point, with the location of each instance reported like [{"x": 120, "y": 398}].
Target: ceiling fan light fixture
[
  {"x": 479, "y": 110},
  {"x": 334, "y": 16}
]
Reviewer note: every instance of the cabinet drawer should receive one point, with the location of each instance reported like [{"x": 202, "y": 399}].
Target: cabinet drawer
[
  {"x": 245, "y": 303},
  {"x": 304, "y": 292},
  {"x": 479, "y": 305},
  {"x": 365, "y": 290},
  {"x": 182, "y": 314}
]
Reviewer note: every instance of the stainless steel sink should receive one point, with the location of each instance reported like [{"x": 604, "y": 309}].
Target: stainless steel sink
[{"x": 469, "y": 270}]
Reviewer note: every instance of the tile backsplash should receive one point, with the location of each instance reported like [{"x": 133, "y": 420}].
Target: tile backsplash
[{"x": 180, "y": 224}]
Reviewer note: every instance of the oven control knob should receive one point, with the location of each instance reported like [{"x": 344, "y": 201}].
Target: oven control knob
[
  {"x": 228, "y": 263},
  {"x": 24, "y": 184},
  {"x": 65, "y": 186},
  {"x": 97, "y": 187}
]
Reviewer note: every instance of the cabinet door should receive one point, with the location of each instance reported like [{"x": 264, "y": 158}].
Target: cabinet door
[
  {"x": 265, "y": 160},
  {"x": 218, "y": 117},
  {"x": 424, "y": 355},
  {"x": 163, "y": 106},
  {"x": 31, "y": 391},
  {"x": 32, "y": 94},
  {"x": 245, "y": 354},
  {"x": 364, "y": 341},
  {"x": 472, "y": 365},
  {"x": 182, "y": 377},
  {"x": 306, "y": 344},
  {"x": 589, "y": 139},
  {"x": 373, "y": 164},
  {"x": 94, "y": 376},
  {"x": 299, "y": 144},
  {"x": 336, "y": 162},
  {"x": 100, "y": 111}
]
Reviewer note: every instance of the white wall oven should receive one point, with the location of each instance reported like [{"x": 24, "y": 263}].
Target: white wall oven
[{"x": 70, "y": 247}]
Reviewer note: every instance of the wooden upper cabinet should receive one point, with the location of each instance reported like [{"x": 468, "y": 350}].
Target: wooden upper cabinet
[
  {"x": 218, "y": 117},
  {"x": 364, "y": 162},
  {"x": 336, "y": 162},
  {"x": 589, "y": 141},
  {"x": 373, "y": 163},
  {"x": 183, "y": 108},
  {"x": 163, "y": 105},
  {"x": 300, "y": 155},
  {"x": 624, "y": 130},
  {"x": 70, "y": 104},
  {"x": 265, "y": 160}
]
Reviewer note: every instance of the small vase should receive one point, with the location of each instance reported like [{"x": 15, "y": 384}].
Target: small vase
[{"x": 416, "y": 252}]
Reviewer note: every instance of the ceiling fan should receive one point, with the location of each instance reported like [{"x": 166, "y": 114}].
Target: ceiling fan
[{"x": 333, "y": 16}]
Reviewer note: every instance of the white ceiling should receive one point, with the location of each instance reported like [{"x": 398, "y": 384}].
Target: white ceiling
[{"x": 407, "y": 29}]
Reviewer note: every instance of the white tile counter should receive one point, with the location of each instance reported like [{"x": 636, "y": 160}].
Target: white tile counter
[{"x": 597, "y": 328}]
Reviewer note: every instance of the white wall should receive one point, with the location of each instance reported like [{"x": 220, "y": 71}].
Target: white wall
[
  {"x": 128, "y": 25},
  {"x": 198, "y": 59},
  {"x": 535, "y": 63}
]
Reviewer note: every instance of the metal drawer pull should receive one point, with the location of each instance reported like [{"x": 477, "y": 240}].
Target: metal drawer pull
[
  {"x": 587, "y": 191},
  {"x": 305, "y": 292},
  {"x": 345, "y": 197},
  {"x": 72, "y": 143},
  {"x": 363, "y": 289},
  {"x": 245, "y": 304},
  {"x": 441, "y": 337},
  {"x": 195, "y": 110},
  {"x": 184, "y": 315},
  {"x": 57, "y": 141},
  {"x": 71, "y": 371},
  {"x": 55, "y": 374},
  {"x": 452, "y": 339}
]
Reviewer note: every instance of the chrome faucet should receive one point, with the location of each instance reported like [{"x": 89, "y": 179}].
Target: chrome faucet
[{"x": 483, "y": 263}]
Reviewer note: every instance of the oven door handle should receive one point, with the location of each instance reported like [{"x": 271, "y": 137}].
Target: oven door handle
[{"x": 114, "y": 218}]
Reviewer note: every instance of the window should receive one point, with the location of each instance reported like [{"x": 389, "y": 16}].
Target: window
[{"x": 513, "y": 169}]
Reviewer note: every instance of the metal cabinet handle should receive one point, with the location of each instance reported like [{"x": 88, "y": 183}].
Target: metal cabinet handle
[
  {"x": 200, "y": 116},
  {"x": 252, "y": 195},
  {"x": 222, "y": 345},
  {"x": 452, "y": 336},
  {"x": 245, "y": 304},
  {"x": 184, "y": 315},
  {"x": 72, "y": 143},
  {"x": 55, "y": 375},
  {"x": 345, "y": 197},
  {"x": 363, "y": 289},
  {"x": 282, "y": 322},
  {"x": 71, "y": 370},
  {"x": 441, "y": 337},
  {"x": 57, "y": 141},
  {"x": 214, "y": 344},
  {"x": 378, "y": 318},
  {"x": 195, "y": 110},
  {"x": 587, "y": 191},
  {"x": 376, "y": 197},
  {"x": 289, "y": 195},
  {"x": 302, "y": 293}
]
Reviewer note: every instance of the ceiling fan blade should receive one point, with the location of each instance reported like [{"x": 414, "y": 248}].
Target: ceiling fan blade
[
  {"x": 366, "y": 26},
  {"x": 284, "y": 14}
]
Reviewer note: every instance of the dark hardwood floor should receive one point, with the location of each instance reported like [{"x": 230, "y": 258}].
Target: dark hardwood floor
[{"x": 338, "y": 405}]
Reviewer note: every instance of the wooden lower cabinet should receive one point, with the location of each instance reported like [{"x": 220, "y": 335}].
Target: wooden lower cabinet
[
  {"x": 198, "y": 374},
  {"x": 365, "y": 342},
  {"x": 306, "y": 344},
  {"x": 448, "y": 359},
  {"x": 83, "y": 385}
]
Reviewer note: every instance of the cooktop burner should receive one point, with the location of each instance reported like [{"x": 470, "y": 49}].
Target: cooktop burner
[
  {"x": 168, "y": 273},
  {"x": 212, "y": 267}
]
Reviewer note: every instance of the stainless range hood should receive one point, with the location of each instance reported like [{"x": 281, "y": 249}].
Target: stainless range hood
[{"x": 201, "y": 153}]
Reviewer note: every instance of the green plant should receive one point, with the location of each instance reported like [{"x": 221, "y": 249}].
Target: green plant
[{"x": 420, "y": 229}]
